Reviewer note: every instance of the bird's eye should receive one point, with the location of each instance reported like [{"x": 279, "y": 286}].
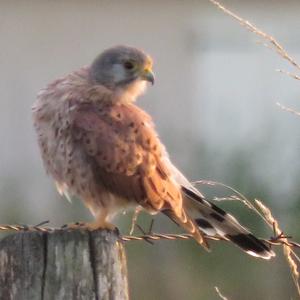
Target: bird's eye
[{"x": 128, "y": 65}]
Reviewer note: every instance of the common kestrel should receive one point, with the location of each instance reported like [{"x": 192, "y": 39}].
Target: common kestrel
[{"x": 97, "y": 144}]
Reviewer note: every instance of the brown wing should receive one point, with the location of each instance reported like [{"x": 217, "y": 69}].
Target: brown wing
[
  {"x": 127, "y": 154},
  {"x": 129, "y": 160}
]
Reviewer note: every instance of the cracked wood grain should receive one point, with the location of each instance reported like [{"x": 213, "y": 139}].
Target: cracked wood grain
[{"x": 63, "y": 264}]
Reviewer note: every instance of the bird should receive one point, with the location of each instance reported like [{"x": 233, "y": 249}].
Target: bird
[{"x": 98, "y": 145}]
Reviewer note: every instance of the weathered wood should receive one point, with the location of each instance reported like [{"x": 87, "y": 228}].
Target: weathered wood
[{"x": 73, "y": 264}]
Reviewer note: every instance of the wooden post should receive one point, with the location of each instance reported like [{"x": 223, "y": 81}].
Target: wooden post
[{"x": 64, "y": 264}]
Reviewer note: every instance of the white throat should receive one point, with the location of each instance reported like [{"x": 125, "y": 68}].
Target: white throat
[{"x": 132, "y": 91}]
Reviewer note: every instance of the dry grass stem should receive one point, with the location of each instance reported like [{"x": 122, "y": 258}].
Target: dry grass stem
[
  {"x": 238, "y": 196},
  {"x": 295, "y": 112},
  {"x": 270, "y": 41},
  {"x": 289, "y": 74},
  {"x": 220, "y": 294},
  {"x": 287, "y": 250},
  {"x": 265, "y": 213}
]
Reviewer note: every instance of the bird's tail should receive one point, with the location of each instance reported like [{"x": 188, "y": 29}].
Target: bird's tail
[
  {"x": 214, "y": 221},
  {"x": 189, "y": 225}
]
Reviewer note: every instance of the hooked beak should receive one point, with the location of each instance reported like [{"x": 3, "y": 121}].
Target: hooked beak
[{"x": 147, "y": 75}]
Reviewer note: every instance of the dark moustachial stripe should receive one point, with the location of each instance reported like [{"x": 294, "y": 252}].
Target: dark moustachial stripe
[
  {"x": 248, "y": 242},
  {"x": 203, "y": 223}
]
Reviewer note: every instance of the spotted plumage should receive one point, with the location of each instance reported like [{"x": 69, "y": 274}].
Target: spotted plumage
[{"x": 98, "y": 145}]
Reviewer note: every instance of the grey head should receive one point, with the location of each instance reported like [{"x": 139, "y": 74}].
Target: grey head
[{"x": 121, "y": 66}]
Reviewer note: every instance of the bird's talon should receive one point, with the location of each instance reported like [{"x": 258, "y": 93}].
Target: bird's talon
[{"x": 74, "y": 226}]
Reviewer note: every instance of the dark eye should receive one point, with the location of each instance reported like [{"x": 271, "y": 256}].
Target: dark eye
[{"x": 128, "y": 65}]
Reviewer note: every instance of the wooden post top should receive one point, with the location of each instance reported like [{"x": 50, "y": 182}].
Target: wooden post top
[{"x": 64, "y": 264}]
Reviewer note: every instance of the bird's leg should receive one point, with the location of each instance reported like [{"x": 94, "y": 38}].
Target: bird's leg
[
  {"x": 100, "y": 222},
  {"x": 136, "y": 213}
]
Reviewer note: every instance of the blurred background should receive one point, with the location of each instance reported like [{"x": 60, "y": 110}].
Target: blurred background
[{"x": 214, "y": 105}]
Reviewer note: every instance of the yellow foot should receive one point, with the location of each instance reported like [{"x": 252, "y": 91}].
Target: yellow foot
[
  {"x": 100, "y": 225},
  {"x": 76, "y": 225}
]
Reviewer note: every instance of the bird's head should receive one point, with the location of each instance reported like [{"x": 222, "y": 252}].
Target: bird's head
[{"x": 122, "y": 68}]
